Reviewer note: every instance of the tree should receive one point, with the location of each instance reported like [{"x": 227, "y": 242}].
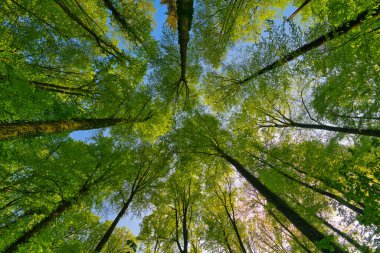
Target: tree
[
  {"x": 96, "y": 167},
  {"x": 30, "y": 129},
  {"x": 144, "y": 172},
  {"x": 175, "y": 212},
  {"x": 270, "y": 145}
]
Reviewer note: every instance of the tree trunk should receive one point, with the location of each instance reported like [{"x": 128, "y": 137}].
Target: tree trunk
[
  {"x": 122, "y": 21},
  {"x": 344, "y": 28},
  {"x": 348, "y": 130},
  {"x": 32, "y": 129},
  {"x": 185, "y": 10},
  {"x": 323, "y": 192},
  {"x": 60, "y": 209},
  {"x": 110, "y": 230},
  {"x": 298, "y": 9},
  {"x": 313, "y": 234},
  {"x": 226, "y": 241},
  {"x": 313, "y": 188},
  {"x": 60, "y": 89},
  {"x": 184, "y": 229},
  {"x": 345, "y": 236},
  {"x": 329, "y": 184},
  {"x": 235, "y": 228},
  {"x": 103, "y": 43},
  {"x": 289, "y": 231}
]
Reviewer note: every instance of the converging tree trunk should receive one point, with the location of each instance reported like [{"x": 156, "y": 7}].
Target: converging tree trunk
[
  {"x": 110, "y": 230},
  {"x": 185, "y": 10},
  {"x": 122, "y": 21},
  {"x": 284, "y": 122},
  {"x": 347, "y": 130},
  {"x": 60, "y": 89},
  {"x": 343, "y": 29},
  {"x": 32, "y": 129},
  {"x": 291, "y": 234},
  {"x": 348, "y": 238},
  {"x": 298, "y": 10},
  {"x": 312, "y": 233},
  {"x": 340, "y": 200},
  {"x": 227, "y": 204},
  {"x": 142, "y": 180},
  {"x": 102, "y": 42},
  {"x": 58, "y": 211},
  {"x": 236, "y": 230}
]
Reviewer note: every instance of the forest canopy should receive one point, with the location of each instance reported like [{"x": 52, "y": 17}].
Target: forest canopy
[{"x": 243, "y": 126}]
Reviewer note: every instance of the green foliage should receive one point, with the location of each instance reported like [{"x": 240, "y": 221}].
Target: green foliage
[{"x": 70, "y": 59}]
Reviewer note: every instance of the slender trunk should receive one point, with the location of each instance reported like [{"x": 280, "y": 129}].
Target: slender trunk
[
  {"x": 298, "y": 170},
  {"x": 184, "y": 230},
  {"x": 312, "y": 233},
  {"x": 289, "y": 231},
  {"x": 60, "y": 89},
  {"x": 348, "y": 130},
  {"x": 236, "y": 230},
  {"x": 344, "y": 28},
  {"x": 298, "y": 9},
  {"x": 110, "y": 230},
  {"x": 325, "y": 193},
  {"x": 9, "y": 204},
  {"x": 124, "y": 23},
  {"x": 320, "y": 179},
  {"x": 226, "y": 241},
  {"x": 102, "y": 43},
  {"x": 32, "y": 129},
  {"x": 346, "y": 236},
  {"x": 61, "y": 208},
  {"x": 313, "y": 188}
]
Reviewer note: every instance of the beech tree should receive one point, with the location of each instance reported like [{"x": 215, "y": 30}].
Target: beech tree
[{"x": 237, "y": 126}]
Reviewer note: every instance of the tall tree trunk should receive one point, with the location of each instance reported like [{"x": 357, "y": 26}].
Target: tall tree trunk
[
  {"x": 31, "y": 129},
  {"x": 60, "y": 89},
  {"x": 298, "y": 9},
  {"x": 102, "y": 42},
  {"x": 312, "y": 233},
  {"x": 110, "y": 230},
  {"x": 317, "y": 178},
  {"x": 326, "y": 193},
  {"x": 235, "y": 228},
  {"x": 185, "y": 234},
  {"x": 343, "y": 29},
  {"x": 226, "y": 242},
  {"x": 122, "y": 21},
  {"x": 347, "y": 130},
  {"x": 289, "y": 231},
  {"x": 346, "y": 236},
  {"x": 320, "y": 191},
  {"x": 185, "y": 10},
  {"x": 34, "y": 230}
]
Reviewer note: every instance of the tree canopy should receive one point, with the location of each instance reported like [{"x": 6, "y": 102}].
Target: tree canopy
[{"x": 245, "y": 126}]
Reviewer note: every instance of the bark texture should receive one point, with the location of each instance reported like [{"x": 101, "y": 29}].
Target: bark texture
[
  {"x": 185, "y": 10},
  {"x": 32, "y": 129},
  {"x": 307, "y": 229}
]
